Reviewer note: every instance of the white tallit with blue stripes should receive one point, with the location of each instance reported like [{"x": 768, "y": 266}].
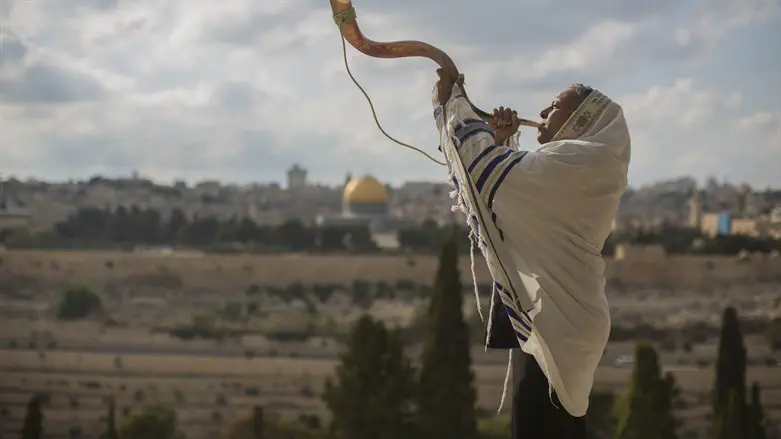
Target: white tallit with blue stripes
[{"x": 540, "y": 219}]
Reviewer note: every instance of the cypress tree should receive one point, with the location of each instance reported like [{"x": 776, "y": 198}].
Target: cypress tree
[
  {"x": 730, "y": 369},
  {"x": 670, "y": 392},
  {"x": 646, "y": 410},
  {"x": 372, "y": 392},
  {"x": 756, "y": 416},
  {"x": 32, "y": 428},
  {"x": 258, "y": 423},
  {"x": 731, "y": 361},
  {"x": 447, "y": 397},
  {"x": 111, "y": 422},
  {"x": 729, "y": 425}
]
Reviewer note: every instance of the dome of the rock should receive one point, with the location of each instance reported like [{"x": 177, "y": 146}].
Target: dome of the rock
[{"x": 365, "y": 196}]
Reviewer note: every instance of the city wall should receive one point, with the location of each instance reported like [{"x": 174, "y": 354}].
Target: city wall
[
  {"x": 632, "y": 267},
  {"x": 693, "y": 271},
  {"x": 650, "y": 266}
]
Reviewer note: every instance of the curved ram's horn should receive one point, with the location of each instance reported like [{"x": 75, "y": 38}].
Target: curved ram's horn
[{"x": 345, "y": 17}]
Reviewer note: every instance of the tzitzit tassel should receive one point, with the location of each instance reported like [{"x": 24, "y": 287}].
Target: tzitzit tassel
[
  {"x": 474, "y": 276},
  {"x": 506, "y": 380},
  {"x": 490, "y": 321}
]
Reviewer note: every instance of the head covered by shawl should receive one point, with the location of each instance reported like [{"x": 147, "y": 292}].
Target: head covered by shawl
[{"x": 597, "y": 121}]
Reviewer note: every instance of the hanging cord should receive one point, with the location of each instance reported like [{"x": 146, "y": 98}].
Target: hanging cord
[{"x": 374, "y": 113}]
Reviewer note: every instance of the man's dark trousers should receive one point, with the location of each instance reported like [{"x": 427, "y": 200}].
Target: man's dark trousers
[{"x": 536, "y": 411}]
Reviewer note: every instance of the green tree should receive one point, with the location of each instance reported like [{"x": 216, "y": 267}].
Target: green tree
[
  {"x": 153, "y": 422},
  {"x": 645, "y": 411},
  {"x": 176, "y": 223},
  {"x": 32, "y": 427},
  {"x": 371, "y": 394},
  {"x": 730, "y": 368},
  {"x": 260, "y": 425},
  {"x": 729, "y": 424},
  {"x": 258, "y": 422},
  {"x": 111, "y": 421},
  {"x": 447, "y": 396},
  {"x": 670, "y": 392},
  {"x": 78, "y": 303},
  {"x": 755, "y": 415}
]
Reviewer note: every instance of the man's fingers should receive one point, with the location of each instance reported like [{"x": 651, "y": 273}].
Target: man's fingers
[{"x": 505, "y": 117}]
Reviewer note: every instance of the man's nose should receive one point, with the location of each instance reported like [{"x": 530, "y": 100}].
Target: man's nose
[{"x": 544, "y": 113}]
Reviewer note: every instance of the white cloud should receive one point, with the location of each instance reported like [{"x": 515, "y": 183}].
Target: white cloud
[
  {"x": 677, "y": 105},
  {"x": 683, "y": 128},
  {"x": 762, "y": 120},
  {"x": 593, "y": 47},
  {"x": 238, "y": 90},
  {"x": 764, "y": 125}
]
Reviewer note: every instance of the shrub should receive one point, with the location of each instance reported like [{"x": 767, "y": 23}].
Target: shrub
[
  {"x": 306, "y": 390},
  {"x": 78, "y": 303},
  {"x": 155, "y": 422}
]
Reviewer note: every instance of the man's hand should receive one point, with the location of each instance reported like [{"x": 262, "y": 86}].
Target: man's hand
[
  {"x": 444, "y": 87},
  {"x": 505, "y": 124}
]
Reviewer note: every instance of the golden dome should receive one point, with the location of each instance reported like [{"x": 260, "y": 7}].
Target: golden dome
[{"x": 365, "y": 189}]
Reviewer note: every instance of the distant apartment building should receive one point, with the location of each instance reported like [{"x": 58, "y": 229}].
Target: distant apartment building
[{"x": 727, "y": 223}]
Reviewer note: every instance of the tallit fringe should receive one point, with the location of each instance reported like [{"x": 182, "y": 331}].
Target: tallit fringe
[
  {"x": 474, "y": 276},
  {"x": 490, "y": 321},
  {"x": 474, "y": 235},
  {"x": 476, "y": 231},
  {"x": 507, "y": 376}
]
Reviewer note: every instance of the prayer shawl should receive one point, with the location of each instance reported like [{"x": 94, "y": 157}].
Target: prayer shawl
[{"x": 540, "y": 219}]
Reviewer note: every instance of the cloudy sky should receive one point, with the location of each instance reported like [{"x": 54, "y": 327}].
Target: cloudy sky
[{"x": 240, "y": 90}]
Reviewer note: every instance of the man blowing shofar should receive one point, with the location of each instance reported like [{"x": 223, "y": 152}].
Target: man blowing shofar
[{"x": 541, "y": 219}]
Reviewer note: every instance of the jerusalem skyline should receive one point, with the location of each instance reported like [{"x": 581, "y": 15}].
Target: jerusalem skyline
[{"x": 281, "y": 180}]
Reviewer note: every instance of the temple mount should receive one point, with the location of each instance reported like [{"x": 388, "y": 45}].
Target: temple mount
[{"x": 365, "y": 203}]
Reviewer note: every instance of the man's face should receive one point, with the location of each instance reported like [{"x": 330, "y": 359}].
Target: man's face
[{"x": 556, "y": 114}]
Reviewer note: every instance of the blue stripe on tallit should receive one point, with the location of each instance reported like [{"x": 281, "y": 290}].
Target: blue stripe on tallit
[
  {"x": 521, "y": 319},
  {"x": 489, "y": 169},
  {"x": 470, "y": 128},
  {"x": 517, "y": 159},
  {"x": 521, "y": 335},
  {"x": 501, "y": 233},
  {"x": 475, "y": 131},
  {"x": 480, "y": 157},
  {"x": 467, "y": 123}
]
